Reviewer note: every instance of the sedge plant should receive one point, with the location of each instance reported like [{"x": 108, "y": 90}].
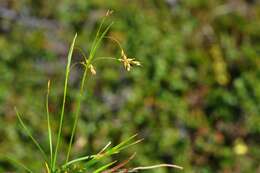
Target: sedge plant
[{"x": 89, "y": 162}]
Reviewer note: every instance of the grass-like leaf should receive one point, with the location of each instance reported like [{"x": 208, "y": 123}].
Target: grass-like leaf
[
  {"x": 114, "y": 150},
  {"x": 102, "y": 168},
  {"x": 89, "y": 162},
  {"x": 94, "y": 47},
  {"x": 78, "y": 160},
  {"x": 19, "y": 164},
  {"x": 30, "y": 134},
  {"x": 64, "y": 100},
  {"x": 49, "y": 124}
]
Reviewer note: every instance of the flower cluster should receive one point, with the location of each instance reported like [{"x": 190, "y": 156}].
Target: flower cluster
[{"x": 128, "y": 62}]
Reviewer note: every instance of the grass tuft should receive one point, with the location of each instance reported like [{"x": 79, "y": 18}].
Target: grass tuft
[{"x": 88, "y": 162}]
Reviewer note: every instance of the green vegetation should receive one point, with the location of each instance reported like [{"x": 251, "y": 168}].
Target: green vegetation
[
  {"x": 73, "y": 166},
  {"x": 195, "y": 100}
]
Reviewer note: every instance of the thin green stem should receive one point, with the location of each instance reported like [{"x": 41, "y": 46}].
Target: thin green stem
[
  {"x": 49, "y": 124},
  {"x": 79, "y": 100},
  {"x": 97, "y": 34},
  {"x": 64, "y": 100},
  {"x": 104, "y": 58},
  {"x": 94, "y": 47},
  {"x": 115, "y": 40},
  {"x": 97, "y": 43}
]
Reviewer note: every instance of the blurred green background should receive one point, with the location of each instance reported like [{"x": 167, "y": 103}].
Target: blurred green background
[{"x": 195, "y": 100}]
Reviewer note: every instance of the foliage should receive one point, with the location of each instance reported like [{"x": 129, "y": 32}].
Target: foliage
[{"x": 195, "y": 100}]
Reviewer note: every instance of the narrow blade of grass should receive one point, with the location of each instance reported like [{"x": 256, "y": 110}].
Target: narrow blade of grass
[
  {"x": 104, "y": 167},
  {"x": 97, "y": 43},
  {"x": 47, "y": 168},
  {"x": 78, "y": 106},
  {"x": 78, "y": 160},
  {"x": 124, "y": 143},
  {"x": 79, "y": 100},
  {"x": 30, "y": 135},
  {"x": 97, "y": 34},
  {"x": 86, "y": 157},
  {"x": 133, "y": 143},
  {"x": 64, "y": 100},
  {"x": 120, "y": 165},
  {"x": 114, "y": 150},
  {"x": 19, "y": 164},
  {"x": 49, "y": 123},
  {"x": 155, "y": 166}
]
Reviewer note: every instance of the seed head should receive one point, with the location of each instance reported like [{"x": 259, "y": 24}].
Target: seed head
[
  {"x": 92, "y": 69},
  {"x": 128, "y": 62},
  {"x": 109, "y": 12}
]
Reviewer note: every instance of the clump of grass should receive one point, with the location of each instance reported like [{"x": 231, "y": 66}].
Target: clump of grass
[{"x": 70, "y": 165}]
